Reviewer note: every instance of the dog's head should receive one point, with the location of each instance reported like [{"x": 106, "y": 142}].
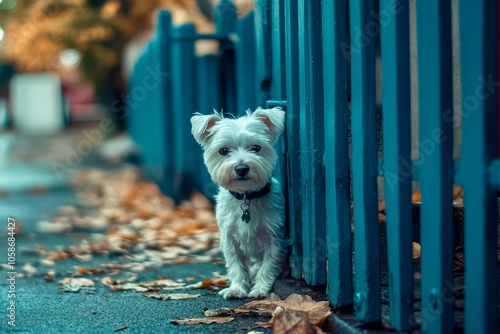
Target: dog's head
[{"x": 239, "y": 153}]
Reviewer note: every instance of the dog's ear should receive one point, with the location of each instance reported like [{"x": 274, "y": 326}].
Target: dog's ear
[
  {"x": 273, "y": 118},
  {"x": 201, "y": 124}
]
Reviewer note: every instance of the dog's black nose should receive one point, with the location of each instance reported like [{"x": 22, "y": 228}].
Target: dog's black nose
[{"x": 242, "y": 170}]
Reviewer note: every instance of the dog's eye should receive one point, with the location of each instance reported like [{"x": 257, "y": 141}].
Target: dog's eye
[
  {"x": 255, "y": 148},
  {"x": 224, "y": 151}
]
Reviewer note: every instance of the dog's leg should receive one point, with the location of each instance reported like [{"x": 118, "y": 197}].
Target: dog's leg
[
  {"x": 236, "y": 271},
  {"x": 269, "y": 270}
]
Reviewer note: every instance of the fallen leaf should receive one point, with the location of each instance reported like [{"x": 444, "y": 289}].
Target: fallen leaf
[
  {"x": 173, "y": 296},
  {"x": 315, "y": 312},
  {"x": 29, "y": 269},
  {"x": 219, "y": 312},
  {"x": 163, "y": 282},
  {"x": 72, "y": 284},
  {"x": 293, "y": 322},
  {"x": 37, "y": 190},
  {"x": 201, "y": 285},
  {"x": 416, "y": 196},
  {"x": 195, "y": 321},
  {"x": 416, "y": 250},
  {"x": 77, "y": 280},
  {"x": 121, "y": 328},
  {"x": 91, "y": 271}
]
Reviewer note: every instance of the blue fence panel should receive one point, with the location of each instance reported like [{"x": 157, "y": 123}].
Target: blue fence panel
[
  {"x": 395, "y": 49},
  {"x": 312, "y": 142},
  {"x": 479, "y": 129},
  {"x": 364, "y": 160},
  {"x": 337, "y": 192},
  {"x": 292, "y": 135},
  {"x": 296, "y": 54},
  {"x": 436, "y": 162}
]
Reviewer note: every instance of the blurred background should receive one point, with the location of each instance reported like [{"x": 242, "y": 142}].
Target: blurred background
[{"x": 72, "y": 58}]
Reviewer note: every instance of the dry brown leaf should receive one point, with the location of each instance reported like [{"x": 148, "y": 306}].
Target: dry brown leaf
[
  {"x": 416, "y": 250},
  {"x": 201, "y": 285},
  {"x": 163, "y": 282},
  {"x": 195, "y": 321},
  {"x": 77, "y": 281},
  {"x": 173, "y": 296},
  {"x": 315, "y": 312},
  {"x": 293, "y": 322},
  {"x": 72, "y": 284},
  {"x": 224, "y": 311},
  {"x": 29, "y": 269},
  {"x": 416, "y": 197},
  {"x": 89, "y": 271}
]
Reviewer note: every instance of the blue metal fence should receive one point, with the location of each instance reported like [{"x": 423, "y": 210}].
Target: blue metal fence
[{"x": 317, "y": 60}]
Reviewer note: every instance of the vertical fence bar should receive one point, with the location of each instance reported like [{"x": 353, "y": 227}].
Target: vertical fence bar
[
  {"x": 246, "y": 79},
  {"x": 264, "y": 48},
  {"x": 479, "y": 128},
  {"x": 312, "y": 142},
  {"x": 436, "y": 160},
  {"x": 292, "y": 141},
  {"x": 364, "y": 160},
  {"x": 278, "y": 78},
  {"x": 395, "y": 49},
  {"x": 225, "y": 24},
  {"x": 338, "y": 197},
  {"x": 184, "y": 74},
  {"x": 164, "y": 37},
  {"x": 278, "y": 73},
  {"x": 208, "y": 99}
]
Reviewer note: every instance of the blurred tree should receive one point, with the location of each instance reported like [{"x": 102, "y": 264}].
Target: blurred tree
[{"x": 37, "y": 32}]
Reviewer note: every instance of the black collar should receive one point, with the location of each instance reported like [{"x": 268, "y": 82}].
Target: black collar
[{"x": 252, "y": 194}]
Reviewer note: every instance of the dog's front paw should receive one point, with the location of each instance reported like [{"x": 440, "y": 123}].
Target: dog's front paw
[
  {"x": 258, "y": 291},
  {"x": 233, "y": 292}
]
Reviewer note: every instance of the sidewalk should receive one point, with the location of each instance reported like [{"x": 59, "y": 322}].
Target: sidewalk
[{"x": 106, "y": 236}]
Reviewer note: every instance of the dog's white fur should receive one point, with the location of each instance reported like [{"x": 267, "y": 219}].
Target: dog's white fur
[{"x": 253, "y": 251}]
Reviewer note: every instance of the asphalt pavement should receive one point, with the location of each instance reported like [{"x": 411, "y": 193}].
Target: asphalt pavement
[{"x": 32, "y": 189}]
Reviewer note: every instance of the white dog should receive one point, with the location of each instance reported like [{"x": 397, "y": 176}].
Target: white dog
[{"x": 240, "y": 157}]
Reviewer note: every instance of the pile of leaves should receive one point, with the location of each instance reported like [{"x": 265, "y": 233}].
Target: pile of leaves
[
  {"x": 295, "y": 314},
  {"x": 132, "y": 218}
]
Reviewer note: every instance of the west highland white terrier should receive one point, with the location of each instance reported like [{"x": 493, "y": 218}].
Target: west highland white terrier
[{"x": 240, "y": 157}]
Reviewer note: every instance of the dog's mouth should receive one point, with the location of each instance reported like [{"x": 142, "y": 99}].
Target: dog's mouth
[{"x": 242, "y": 178}]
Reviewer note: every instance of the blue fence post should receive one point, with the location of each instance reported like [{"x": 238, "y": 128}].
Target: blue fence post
[
  {"x": 264, "y": 48},
  {"x": 164, "y": 40},
  {"x": 364, "y": 160},
  {"x": 397, "y": 147},
  {"x": 312, "y": 142},
  {"x": 208, "y": 99},
  {"x": 225, "y": 24},
  {"x": 292, "y": 134},
  {"x": 148, "y": 97},
  {"x": 338, "y": 195},
  {"x": 184, "y": 105},
  {"x": 436, "y": 163},
  {"x": 246, "y": 79},
  {"x": 278, "y": 73},
  {"x": 478, "y": 42}
]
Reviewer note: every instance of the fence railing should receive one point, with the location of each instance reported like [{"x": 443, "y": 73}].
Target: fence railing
[{"x": 318, "y": 60}]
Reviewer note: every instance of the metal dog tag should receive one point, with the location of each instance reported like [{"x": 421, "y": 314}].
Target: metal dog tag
[{"x": 245, "y": 216}]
